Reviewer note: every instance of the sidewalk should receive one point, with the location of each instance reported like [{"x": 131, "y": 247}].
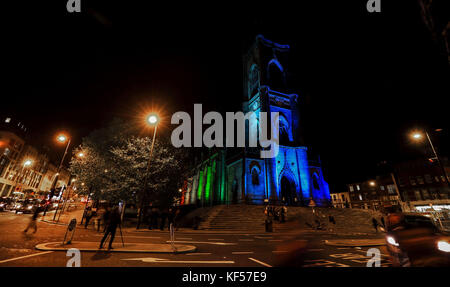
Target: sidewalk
[
  {"x": 65, "y": 218},
  {"x": 356, "y": 242},
  {"x": 117, "y": 247}
]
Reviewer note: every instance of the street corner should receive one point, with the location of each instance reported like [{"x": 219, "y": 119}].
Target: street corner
[
  {"x": 118, "y": 247},
  {"x": 355, "y": 242}
]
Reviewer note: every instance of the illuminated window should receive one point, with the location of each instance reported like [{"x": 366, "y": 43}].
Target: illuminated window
[
  {"x": 7, "y": 120},
  {"x": 351, "y": 187},
  {"x": 357, "y": 187}
]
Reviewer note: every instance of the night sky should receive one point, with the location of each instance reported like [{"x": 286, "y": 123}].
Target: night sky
[{"x": 364, "y": 80}]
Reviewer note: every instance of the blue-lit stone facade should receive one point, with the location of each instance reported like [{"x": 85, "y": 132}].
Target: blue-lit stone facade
[{"x": 242, "y": 176}]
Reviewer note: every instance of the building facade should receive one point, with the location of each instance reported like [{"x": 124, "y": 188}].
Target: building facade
[
  {"x": 378, "y": 194},
  {"x": 24, "y": 170},
  {"x": 241, "y": 175},
  {"x": 340, "y": 199},
  {"x": 421, "y": 184}
]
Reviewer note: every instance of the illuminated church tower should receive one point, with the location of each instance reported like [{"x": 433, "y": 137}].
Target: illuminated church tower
[{"x": 228, "y": 176}]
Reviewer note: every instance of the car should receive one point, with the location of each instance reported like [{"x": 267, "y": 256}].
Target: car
[
  {"x": 28, "y": 206},
  {"x": 413, "y": 240},
  {"x": 5, "y": 203}
]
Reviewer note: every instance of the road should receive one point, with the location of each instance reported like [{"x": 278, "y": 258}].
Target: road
[{"x": 213, "y": 249}]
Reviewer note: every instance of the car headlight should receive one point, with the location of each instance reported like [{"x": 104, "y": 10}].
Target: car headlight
[
  {"x": 2, "y": 204},
  {"x": 30, "y": 207},
  {"x": 443, "y": 246},
  {"x": 391, "y": 240}
]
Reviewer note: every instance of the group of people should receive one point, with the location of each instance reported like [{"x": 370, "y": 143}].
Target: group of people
[
  {"x": 277, "y": 213},
  {"x": 155, "y": 216}
]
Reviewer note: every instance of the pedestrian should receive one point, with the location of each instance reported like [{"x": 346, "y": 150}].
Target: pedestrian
[
  {"x": 114, "y": 221},
  {"x": 382, "y": 222},
  {"x": 106, "y": 216},
  {"x": 332, "y": 222},
  {"x": 89, "y": 215},
  {"x": 33, "y": 220},
  {"x": 375, "y": 224},
  {"x": 164, "y": 215},
  {"x": 283, "y": 214},
  {"x": 170, "y": 217}
]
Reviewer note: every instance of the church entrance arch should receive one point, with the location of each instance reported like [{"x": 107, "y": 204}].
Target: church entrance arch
[{"x": 288, "y": 190}]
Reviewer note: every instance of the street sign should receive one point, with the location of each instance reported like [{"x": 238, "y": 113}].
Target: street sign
[{"x": 70, "y": 228}]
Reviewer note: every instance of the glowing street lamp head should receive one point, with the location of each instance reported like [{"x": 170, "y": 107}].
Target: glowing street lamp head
[
  {"x": 27, "y": 162},
  {"x": 372, "y": 183},
  {"x": 61, "y": 138},
  {"x": 153, "y": 119},
  {"x": 417, "y": 136},
  {"x": 80, "y": 154}
]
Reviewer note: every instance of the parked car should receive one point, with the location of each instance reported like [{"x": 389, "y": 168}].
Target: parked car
[
  {"x": 5, "y": 203},
  {"x": 414, "y": 240},
  {"x": 28, "y": 206}
]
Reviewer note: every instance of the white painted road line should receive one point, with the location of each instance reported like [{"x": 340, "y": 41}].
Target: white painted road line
[
  {"x": 203, "y": 242},
  {"x": 192, "y": 254},
  {"x": 162, "y": 260},
  {"x": 132, "y": 236},
  {"x": 242, "y": 252},
  {"x": 26, "y": 256},
  {"x": 260, "y": 262}
]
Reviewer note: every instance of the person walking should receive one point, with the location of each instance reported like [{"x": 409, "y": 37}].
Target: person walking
[
  {"x": 106, "y": 216},
  {"x": 89, "y": 215},
  {"x": 114, "y": 221},
  {"x": 33, "y": 220},
  {"x": 332, "y": 222},
  {"x": 170, "y": 217},
  {"x": 375, "y": 224}
]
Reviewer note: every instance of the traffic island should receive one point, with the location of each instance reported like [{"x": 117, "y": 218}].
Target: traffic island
[
  {"x": 356, "y": 242},
  {"x": 118, "y": 247}
]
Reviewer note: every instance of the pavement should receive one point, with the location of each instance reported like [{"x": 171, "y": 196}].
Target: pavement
[
  {"x": 356, "y": 242},
  {"x": 145, "y": 248},
  {"x": 118, "y": 247}
]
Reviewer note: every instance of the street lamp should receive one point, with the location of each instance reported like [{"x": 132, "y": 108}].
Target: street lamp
[
  {"x": 372, "y": 183},
  {"x": 418, "y": 136},
  {"x": 62, "y": 139},
  {"x": 152, "y": 120}
]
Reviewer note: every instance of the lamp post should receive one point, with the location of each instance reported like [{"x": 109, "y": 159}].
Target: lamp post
[
  {"x": 418, "y": 136},
  {"x": 61, "y": 138},
  {"x": 152, "y": 120}
]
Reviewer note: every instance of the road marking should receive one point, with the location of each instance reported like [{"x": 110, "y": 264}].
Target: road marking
[
  {"x": 242, "y": 252},
  {"x": 260, "y": 262},
  {"x": 132, "y": 236},
  {"x": 246, "y": 239},
  {"x": 203, "y": 242},
  {"x": 192, "y": 254},
  {"x": 26, "y": 256},
  {"x": 216, "y": 239},
  {"x": 161, "y": 260}
]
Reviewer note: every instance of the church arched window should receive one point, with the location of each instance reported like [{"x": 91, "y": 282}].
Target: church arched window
[
  {"x": 275, "y": 74},
  {"x": 284, "y": 130},
  {"x": 316, "y": 182},
  {"x": 253, "y": 81}
]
